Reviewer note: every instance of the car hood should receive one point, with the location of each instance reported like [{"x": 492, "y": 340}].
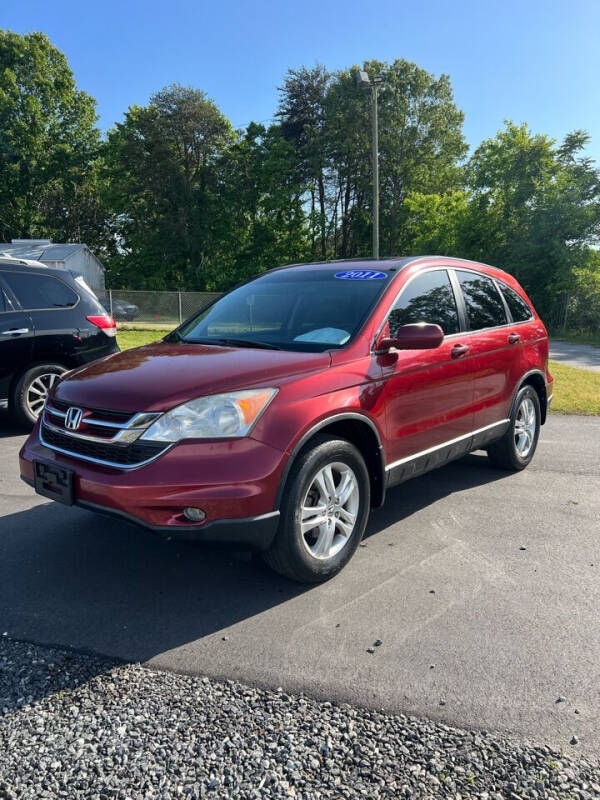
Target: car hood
[{"x": 159, "y": 376}]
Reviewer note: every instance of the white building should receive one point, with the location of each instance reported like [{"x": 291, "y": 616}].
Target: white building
[{"x": 75, "y": 257}]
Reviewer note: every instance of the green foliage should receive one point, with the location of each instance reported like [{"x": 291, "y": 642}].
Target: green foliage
[
  {"x": 262, "y": 203},
  {"x": 530, "y": 207},
  {"x": 48, "y": 146},
  {"x": 163, "y": 175},
  {"x": 437, "y": 223},
  {"x": 175, "y": 198},
  {"x": 197, "y": 205},
  {"x": 327, "y": 118},
  {"x": 582, "y": 297},
  {"x": 539, "y": 205}
]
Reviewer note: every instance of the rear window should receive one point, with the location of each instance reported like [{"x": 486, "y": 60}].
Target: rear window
[
  {"x": 37, "y": 291},
  {"x": 485, "y": 308},
  {"x": 518, "y": 308}
]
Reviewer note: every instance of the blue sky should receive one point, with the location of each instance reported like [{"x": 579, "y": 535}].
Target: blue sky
[{"x": 528, "y": 60}]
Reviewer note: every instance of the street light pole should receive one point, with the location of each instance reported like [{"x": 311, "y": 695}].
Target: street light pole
[
  {"x": 366, "y": 82},
  {"x": 375, "y": 160}
]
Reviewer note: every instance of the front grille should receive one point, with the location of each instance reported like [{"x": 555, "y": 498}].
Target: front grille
[
  {"x": 127, "y": 455},
  {"x": 98, "y": 413}
]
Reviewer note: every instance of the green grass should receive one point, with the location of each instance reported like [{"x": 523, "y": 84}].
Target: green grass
[
  {"x": 576, "y": 391},
  {"x": 136, "y": 338}
]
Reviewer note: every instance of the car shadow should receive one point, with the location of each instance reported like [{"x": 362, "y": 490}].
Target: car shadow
[
  {"x": 72, "y": 578},
  {"x": 8, "y": 427},
  {"x": 408, "y": 498}
]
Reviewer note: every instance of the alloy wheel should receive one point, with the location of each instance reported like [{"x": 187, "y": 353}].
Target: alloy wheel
[
  {"x": 329, "y": 510},
  {"x": 525, "y": 427},
  {"x": 37, "y": 391}
]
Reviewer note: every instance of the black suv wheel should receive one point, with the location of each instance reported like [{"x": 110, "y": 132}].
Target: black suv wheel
[{"x": 31, "y": 390}]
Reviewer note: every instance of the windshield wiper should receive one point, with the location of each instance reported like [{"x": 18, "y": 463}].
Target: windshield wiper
[{"x": 245, "y": 343}]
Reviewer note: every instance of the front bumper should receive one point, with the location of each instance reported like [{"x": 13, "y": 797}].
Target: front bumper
[{"x": 235, "y": 483}]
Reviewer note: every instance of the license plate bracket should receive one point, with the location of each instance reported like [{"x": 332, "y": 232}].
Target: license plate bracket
[{"x": 54, "y": 482}]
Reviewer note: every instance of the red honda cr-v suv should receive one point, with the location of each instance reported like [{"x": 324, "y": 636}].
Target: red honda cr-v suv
[{"x": 280, "y": 415}]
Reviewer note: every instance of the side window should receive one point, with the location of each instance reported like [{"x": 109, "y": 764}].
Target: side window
[
  {"x": 427, "y": 298},
  {"x": 485, "y": 308},
  {"x": 40, "y": 291},
  {"x": 518, "y": 308}
]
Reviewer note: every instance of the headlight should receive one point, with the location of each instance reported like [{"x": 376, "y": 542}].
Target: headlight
[{"x": 215, "y": 416}]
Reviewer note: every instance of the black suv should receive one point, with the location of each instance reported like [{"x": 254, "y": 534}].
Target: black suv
[{"x": 50, "y": 322}]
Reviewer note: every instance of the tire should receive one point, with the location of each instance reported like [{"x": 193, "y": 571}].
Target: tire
[
  {"x": 515, "y": 450},
  {"x": 311, "y": 557},
  {"x": 29, "y": 392}
]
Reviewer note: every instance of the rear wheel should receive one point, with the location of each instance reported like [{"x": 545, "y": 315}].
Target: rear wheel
[
  {"x": 517, "y": 447},
  {"x": 324, "y": 512},
  {"x": 31, "y": 390}
]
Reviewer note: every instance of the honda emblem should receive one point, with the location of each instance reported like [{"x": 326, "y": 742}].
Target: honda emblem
[{"x": 73, "y": 418}]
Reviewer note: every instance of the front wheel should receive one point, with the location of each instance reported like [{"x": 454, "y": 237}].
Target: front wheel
[
  {"x": 324, "y": 512},
  {"x": 517, "y": 447}
]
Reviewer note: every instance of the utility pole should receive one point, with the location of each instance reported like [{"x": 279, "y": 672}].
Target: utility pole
[{"x": 373, "y": 84}]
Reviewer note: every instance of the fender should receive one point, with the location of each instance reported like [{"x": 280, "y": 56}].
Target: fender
[
  {"x": 323, "y": 423},
  {"x": 524, "y": 377}
]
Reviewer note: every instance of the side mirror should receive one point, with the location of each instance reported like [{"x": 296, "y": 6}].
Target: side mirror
[{"x": 416, "y": 336}]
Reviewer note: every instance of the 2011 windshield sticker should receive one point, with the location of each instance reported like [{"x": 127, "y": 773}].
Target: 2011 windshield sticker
[{"x": 360, "y": 275}]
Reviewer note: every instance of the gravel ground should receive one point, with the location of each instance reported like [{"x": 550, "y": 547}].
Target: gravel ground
[{"x": 76, "y": 726}]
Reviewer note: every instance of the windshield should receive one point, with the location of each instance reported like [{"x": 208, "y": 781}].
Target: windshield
[{"x": 292, "y": 309}]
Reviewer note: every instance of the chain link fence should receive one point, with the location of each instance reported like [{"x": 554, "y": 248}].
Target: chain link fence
[
  {"x": 571, "y": 312},
  {"x": 160, "y": 309}
]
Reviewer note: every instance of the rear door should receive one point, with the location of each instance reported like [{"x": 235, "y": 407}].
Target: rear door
[
  {"x": 16, "y": 340},
  {"x": 51, "y": 304},
  {"x": 428, "y": 394},
  {"x": 495, "y": 349}
]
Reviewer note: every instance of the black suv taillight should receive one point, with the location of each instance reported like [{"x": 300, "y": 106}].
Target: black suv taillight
[{"x": 105, "y": 322}]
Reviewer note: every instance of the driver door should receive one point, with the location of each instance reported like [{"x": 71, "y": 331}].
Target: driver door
[{"x": 429, "y": 394}]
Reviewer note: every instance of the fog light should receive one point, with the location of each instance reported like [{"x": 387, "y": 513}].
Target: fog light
[{"x": 194, "y": 514}]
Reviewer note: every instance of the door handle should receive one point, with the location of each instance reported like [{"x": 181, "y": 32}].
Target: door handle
[
  {"x": 513, "y": 338},
  {"x": 14, "y": 331},
  {"x": 459, "y": 350}
]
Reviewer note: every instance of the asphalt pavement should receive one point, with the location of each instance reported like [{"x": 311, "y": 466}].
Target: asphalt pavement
[
  {"x": 483, "y": 587},
  {"x": 582, "y": 356}
]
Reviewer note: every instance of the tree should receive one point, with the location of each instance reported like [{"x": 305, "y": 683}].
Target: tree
[
  {"x": 437, "y": 223},
  {"x": 163, "y": 170},
  {"x": 48, "y": 146},
  {"x": 538, "y": 209},
  {"x": 421, "y": 142},
  {"x": 265, "y": 222},
  {"x": 582, "y": 298},
  {"x": 302, "y": 117},
  {"x": 327, "y": 118}
]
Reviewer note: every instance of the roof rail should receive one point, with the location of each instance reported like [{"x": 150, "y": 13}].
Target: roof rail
[
  {"x": 26, "y": 262},
  {"x": 341, "y": 261}
]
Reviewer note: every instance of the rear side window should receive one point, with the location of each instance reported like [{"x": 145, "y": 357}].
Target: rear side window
[
  {"x": 518, "y": 308},
  {"x": 485, "y": 308},
  {"x": 427, "y": 298},
  {"x": 37, "y": 291}
]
